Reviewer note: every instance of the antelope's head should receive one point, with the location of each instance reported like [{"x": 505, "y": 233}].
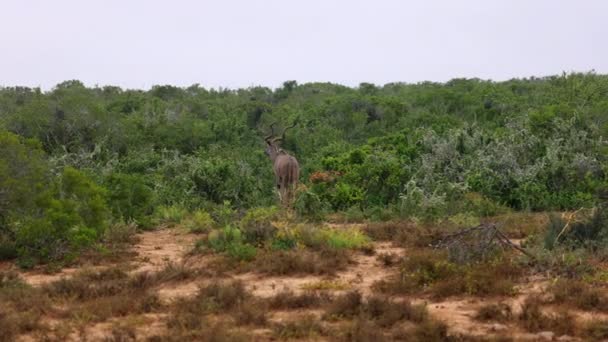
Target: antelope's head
[{"x": 273, "y": 142}]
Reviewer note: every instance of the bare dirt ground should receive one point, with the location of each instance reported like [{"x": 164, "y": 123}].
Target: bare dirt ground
[{"x": 155, "y": 249}]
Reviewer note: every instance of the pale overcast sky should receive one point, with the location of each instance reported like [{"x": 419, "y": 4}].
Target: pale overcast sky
[{"x": 240, "y": 43}]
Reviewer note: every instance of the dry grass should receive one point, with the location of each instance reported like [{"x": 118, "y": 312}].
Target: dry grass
[
  {"x": 579, "y": 295},
  {"x": 429, "y": 271},
  {"x": 596, "y": 330},
  {"x": 381, "y": 310},
  {"x": 431, "y": 331},
  {"x": 532, "y": 318},
  {"x": 402, "y": 233},
  {"x": 500, "y": 312},
  {"x": 326, "y": 285},
  {"x": 388, "y": 259},
  {"x": 190, "y": 317},
  {"x": 21, "y": 307},
  {"x": 362, "y": 330},
  {"x": 301, "y": 261},
  {"x": 518, "y": 225},
  {"x": 289, "y": 300},
  {"x": 306, "y": 326}
]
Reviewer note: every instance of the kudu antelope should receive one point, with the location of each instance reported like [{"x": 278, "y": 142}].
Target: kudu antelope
[{"x": 286, "y": 168}]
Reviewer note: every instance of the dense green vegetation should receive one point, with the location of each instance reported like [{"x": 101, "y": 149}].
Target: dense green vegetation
[{"x": 75, "y": 160}]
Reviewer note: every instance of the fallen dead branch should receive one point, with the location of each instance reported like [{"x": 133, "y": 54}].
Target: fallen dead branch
[{"x": 477, "y": 243}]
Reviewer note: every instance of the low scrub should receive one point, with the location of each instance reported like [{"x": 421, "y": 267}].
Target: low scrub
[
  {"x": 578, "y": 294},
  {"x": 301, "y": 261},
  {"x": 500, "y": 312},
  {"x": 199, "y": 222},
  {"x": 383, "y": 311},
  {"x": 230, "y": 240},
  {"x": 430, "y": 271},
  {"x": 257, "y": 225},
  {"x": 332, "y": 238},
  {"x": 532, "y": 318}
]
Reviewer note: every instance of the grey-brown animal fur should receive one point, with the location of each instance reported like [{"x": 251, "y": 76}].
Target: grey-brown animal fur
[{"x": 285, "y": 166}]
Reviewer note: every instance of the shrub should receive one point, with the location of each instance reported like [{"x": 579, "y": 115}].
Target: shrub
[
  {"x": 230, "y": 240},
  {"x": 350, "y": 238},
  {"x": 579, "y": 295},
  {"x": 74, "y": 215},
  {"x": 199, "y": 222},
  {"x": 596, "y": 330},
  {"x": 432, "y": 272},
  {"x": 131, "y": 197},
  {"x": 494, "y": 312},
  {"x": 257, "y": 224},
  {"x": 583, "y": 231},
  {"x": 301, "y": 261},
  {"x": 309, "y": 205},
  {"x": 120, "y": 233},
  {"x": 532, "y": 318},
  {"x": 304, "y": 327},
  {"x": 169, "y": 215},
  {"x": 333, "y": 238}
]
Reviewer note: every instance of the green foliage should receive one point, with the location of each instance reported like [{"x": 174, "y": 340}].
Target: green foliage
[
  {"x": 169, "y": 214},
  {"x": 199, "y": 222},
  {"x": 350, "y": 238},
  {"x": 588, "y": 231},
  {"x": 257, "y": 224},
  {"x": 332, "y": 238},
  {"x": 230, "y": 240},
  {"x": 308, "y": 205},
  {"x": 130, "y": 197},
  {"x": 73, "y": 216},
  {"x": 462, "y": 149}
]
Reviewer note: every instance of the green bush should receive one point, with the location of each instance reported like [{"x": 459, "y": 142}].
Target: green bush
[
  {"x": 257, "y": 224},
  {"x": 131, "y": 198},
  {"x": 199, "y": 222},
  {"x": 333, "y": 238},
  {"x": 230, "y": 241},
  {"x": 169, "y": 214},
  {"x": 74, "y": 216},
  {"x": 309, "y": 205}
]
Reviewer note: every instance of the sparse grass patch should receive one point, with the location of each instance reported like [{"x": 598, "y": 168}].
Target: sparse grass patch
[
  {"x": 120, "y": 233},
  {"x": 289, "y": 300},
  {"x": 229, "y": 240},
  {"x": 579, "y": 294},
  {"x": 533, "y": 319},
  {"x": 324, "y": 285},
  {"x": 431, "y": 330},
  {"x": 430, "y": 271},
  {"x": 334, "y": 238},
  {"x": 596, "y": 330},
  {"x": 189, "y": 317},
  {"x": 307, "y": 326},
  {"x": 362, "y": 330},
  {"x": 388, "y": 259},
  {"x": 345, "y": 306},
  {"x": 350, "y": 238},
  {"x": 500, "y": 312},
  {"x": 386, "y": 312},
  {"x": 199, "y": 222},
  {"x": 257, "y": 225},
  {"x": 402, "y": 233},
  {"x": 169, "y": 215},
  {"x": 301, "y": 261},
  {"x": 382, "y": 310}
]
